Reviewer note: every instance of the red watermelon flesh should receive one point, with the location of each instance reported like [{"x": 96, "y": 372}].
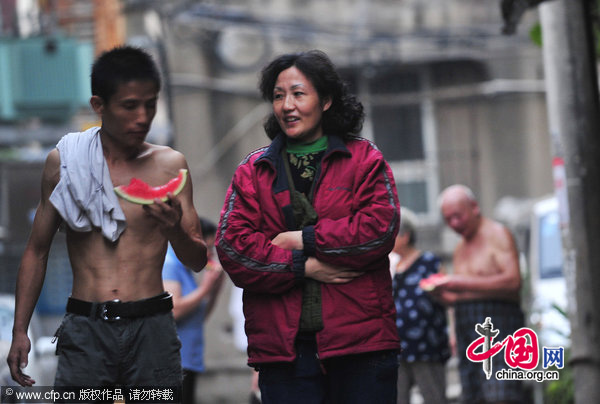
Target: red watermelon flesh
[
  {"x": 431, "y": 282},
  {"x": 139, "y": 192}
]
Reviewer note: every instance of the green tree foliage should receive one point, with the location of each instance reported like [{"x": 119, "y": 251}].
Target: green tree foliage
[
  {"x": 535, "y": 33},
  {"x": 561, "y": 391}
]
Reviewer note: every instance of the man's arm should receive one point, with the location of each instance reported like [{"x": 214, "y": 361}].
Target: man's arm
[
  {"x": 505, "y": 257},
  {"x": 173, "y": 278},
  {"x": 32, "y": 270},
  {"x": 504, "y": 284},
  {"x": 178, "y": 220},
  {"x": 184, "y": 234},
  {"x": 216, "y": 271},
  {"x": 184, "y": 305}
]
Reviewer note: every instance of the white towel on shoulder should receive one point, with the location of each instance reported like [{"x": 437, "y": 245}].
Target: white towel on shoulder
[{"x": 84, "y": 196}]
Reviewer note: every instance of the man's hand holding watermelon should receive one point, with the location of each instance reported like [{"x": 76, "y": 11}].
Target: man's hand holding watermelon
[{"x": 430, "y": 283}]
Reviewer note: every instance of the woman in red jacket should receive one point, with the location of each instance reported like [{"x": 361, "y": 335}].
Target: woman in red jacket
[{"x": 305, "y": 230}]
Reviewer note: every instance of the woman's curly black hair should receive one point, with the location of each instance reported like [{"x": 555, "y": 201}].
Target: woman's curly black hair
[{"x": 344, "y": 117}]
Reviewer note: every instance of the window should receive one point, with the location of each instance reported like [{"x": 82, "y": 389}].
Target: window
[
  {"x": 398, "y": 131},
  {"x": 402, "y": 124},
  {"x": 402, "y": 104},
  {"x": 550, "y": 246}
]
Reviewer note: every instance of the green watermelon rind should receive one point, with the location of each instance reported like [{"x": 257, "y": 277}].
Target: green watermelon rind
[{"x": 123, "y": 192}]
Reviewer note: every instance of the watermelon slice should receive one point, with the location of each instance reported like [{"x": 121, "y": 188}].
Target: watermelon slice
[
  {"x": 431, "y": 282},
  {"x": 139, "y": 192}
]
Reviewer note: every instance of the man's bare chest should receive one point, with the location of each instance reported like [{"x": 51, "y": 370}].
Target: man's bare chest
[{"x": 475, "y": 261}]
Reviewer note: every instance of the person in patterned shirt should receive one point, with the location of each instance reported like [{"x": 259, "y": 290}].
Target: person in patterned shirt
[{"x": 421, "y": 321}]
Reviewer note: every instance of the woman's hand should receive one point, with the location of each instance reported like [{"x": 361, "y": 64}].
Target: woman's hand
[
  {"x": 289, "y": 240},
  {"x": 326, "y": 273}
]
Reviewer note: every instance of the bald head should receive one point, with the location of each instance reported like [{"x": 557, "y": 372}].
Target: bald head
[
  {"x": 456, "y": 192},
  {"x": 460, "y": 209}
]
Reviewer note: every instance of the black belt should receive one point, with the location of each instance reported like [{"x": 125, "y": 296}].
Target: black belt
[{"x": 113, "y": 310}]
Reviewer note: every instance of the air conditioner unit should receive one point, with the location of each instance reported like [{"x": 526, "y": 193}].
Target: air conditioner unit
[{"x": 45, "y": 77}]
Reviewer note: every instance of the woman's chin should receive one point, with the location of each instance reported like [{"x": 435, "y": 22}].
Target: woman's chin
[{"x": 301, "y": 137}]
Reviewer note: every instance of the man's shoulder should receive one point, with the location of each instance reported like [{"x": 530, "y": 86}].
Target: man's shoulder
[
  {"x": 85, "y": 135},
  {"x": 51, "y": 171},
  {"x": 495, "y": 230},
  {"x": 53, "y": 157},
  {"x": 159, "y": 148},
  {"x": 165, "y": 155},
  {"x": 492, "y": 224}
]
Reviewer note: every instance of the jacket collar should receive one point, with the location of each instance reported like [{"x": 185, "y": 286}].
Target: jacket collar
[{"x": 272, "y": 155}]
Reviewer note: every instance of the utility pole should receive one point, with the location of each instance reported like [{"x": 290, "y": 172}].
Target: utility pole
[{"x": 574, "y": 120}]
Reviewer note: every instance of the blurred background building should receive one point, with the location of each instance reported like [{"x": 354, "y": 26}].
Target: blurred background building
[{"x": 448, "y": 98}]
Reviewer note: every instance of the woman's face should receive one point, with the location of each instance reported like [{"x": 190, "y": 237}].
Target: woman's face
[{"x": 297, "y": 106}]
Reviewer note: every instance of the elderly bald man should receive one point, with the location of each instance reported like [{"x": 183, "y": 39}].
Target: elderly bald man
[{"x": 485, "y": 282}]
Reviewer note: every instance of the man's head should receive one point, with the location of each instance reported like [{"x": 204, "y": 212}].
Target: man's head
[
  {"x": 460, "y": 210},
  {"x": 121, "y": 65},
  {"x": 125, "y": 86}
]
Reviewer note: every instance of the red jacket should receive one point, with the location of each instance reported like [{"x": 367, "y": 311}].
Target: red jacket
[{"x": 358, "y": 216}]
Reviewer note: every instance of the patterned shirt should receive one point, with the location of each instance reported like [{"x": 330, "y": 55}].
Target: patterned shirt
[
  {"x": 304, "y": 160},
  {"x": 421, "y": 321}
]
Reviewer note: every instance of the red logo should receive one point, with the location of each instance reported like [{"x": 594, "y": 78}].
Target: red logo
[{"x": 521, "y": 348}]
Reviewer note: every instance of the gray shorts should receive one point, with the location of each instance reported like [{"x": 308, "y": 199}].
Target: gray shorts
[{"x": 137, "y": 352}]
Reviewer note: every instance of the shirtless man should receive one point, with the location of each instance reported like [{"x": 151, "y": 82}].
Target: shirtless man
[
  {"x": 485, "y": 283},
  {"x": 103, "y": 341}
]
